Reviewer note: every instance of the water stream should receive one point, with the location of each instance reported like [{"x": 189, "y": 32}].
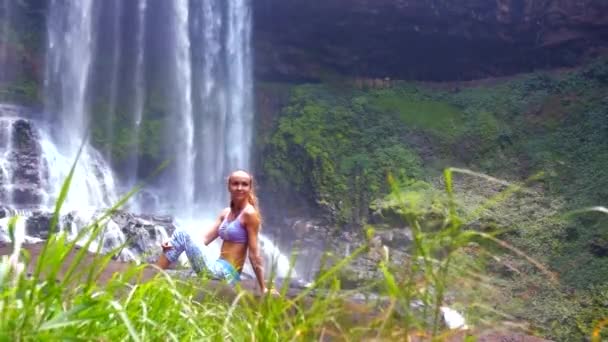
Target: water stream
[{"x": 129, "y": 82}]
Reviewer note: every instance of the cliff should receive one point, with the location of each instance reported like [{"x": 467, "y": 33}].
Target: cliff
[{"x": 421, "y": 39}]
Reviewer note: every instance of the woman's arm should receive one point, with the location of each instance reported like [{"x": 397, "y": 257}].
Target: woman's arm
[
  {"x": 213, "y": 232},
  {"x": 252, "y": 223}
]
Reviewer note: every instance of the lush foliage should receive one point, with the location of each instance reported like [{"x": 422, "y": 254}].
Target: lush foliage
[
  {"x": 21, "y": 42},
  {"x": 552, "y": 127},
  {"x": 328, "y": 146},
  {"x": 115, "y": 131},
  {"x": 64, "y": 297}
]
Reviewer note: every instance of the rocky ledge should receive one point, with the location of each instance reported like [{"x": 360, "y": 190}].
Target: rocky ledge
[
  {"x": 421, "y": 39},
  {"x": 141, "y": 233}
]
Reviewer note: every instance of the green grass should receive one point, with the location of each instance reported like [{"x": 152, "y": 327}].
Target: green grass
[
  {"x": 64, "y": 299},
  {"x": 438, "y": 118}
]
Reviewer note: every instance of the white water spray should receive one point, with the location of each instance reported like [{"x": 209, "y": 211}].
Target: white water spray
[
  {"x": 138, "y": 90},
  {"x": 6, "y": 150},
  {"x": 116, "y": 56},
  {"x": 69, "y": 58},
  {"x": 212, "y": 93},
  {"x": 139, "y": 85},
  {"x": 92, "y": 185},
  {"x": 184, "y": 148},
  {"x": 240, "y": 83}
]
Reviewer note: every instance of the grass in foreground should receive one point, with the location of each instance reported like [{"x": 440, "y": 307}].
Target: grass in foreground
[{"x": 77, "y": 306}]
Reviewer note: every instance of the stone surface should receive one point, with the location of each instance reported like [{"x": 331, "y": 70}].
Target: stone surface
[
  {"x": 23, "y": 171},
  {"x": 141, "y": 233},
  {"x": 299, "y": 40}
]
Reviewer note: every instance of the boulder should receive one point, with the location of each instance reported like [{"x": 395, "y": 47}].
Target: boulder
[
  {"x": 141, "y": 233},
  {"x": 22, "y": 168}
]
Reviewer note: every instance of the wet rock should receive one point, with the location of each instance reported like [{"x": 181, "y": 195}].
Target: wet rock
[
  {"x": 22, "y": 165},
  {"x": 26, "y": 194},
  {"x": 142, "y": 235},
  {"x": 395, "y": 237},
  {"x": 303, "y": 227},
  {"x": 26, "y": 153},
  {"x": 38, "y": 224}
]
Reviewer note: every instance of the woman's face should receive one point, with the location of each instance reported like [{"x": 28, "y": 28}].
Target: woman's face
[{"x": 239, "y": 185}]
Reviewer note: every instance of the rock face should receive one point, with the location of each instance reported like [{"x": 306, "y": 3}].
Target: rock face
[
  {"x": 421, "y": 39},
  {"x": 22, "y": 169},
  {"x": 143, "y": 234},
  {"x": 29, "y": 170}
]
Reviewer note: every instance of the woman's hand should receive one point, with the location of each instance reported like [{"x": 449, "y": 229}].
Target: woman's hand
[{"x": 166, "y": 246}]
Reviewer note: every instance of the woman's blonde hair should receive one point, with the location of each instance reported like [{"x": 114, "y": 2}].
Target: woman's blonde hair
[{"x": 251, "y": 197}]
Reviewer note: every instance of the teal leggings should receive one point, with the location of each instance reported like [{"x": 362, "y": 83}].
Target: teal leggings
[{"x": 220, "y": 269}]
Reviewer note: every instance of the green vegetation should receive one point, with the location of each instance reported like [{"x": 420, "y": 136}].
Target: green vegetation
[
  {"x": 22, "y": 43},
  {"x": 25, "y": 92},
  {"x": 552, "y": 125},
  {"x": 333, "y": 144},
  {"x": 329, "y": 146},
  {"x": 64, "y": 298},
  {"x": 417, "y": 112},
  {"x": 113, "y": 130}
]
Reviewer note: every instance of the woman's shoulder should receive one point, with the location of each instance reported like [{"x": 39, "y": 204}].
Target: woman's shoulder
[
  {"x": 250, "y": 210},
  {"x": 224, "y": 212},
  {"x": 250, "y": 213}
]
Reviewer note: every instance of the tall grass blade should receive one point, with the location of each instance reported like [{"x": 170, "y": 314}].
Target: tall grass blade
[
  {"x": 125, "y": 319},
  {"x": 57, "y": 212}
]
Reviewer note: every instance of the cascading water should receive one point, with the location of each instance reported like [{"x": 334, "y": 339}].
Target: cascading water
[
  {"x": 138, "y": 90},
  {"x": 116, "y": 53},
  {"x": 141, "y": 82},
  {"x": 69, "y": 59},
  {"x": 32, "y": 168},
  {"x": 224, "y": 95},
  {"x": 212, "y": 98},
  {"x": 6, "y": 150},
  {"x": 187, "y": 82},
  {"x": 184, "y": 146},
  {"x": 240, "y": 82}
]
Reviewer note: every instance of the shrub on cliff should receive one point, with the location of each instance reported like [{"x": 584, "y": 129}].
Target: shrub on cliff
[{"x": 330, "y": 147}]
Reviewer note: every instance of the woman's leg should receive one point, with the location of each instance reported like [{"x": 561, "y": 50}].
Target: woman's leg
[
  {"x": 182, "y": 242},
  {"x": 224, "y": 270}
]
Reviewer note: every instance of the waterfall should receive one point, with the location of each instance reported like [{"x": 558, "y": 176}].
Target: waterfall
[
  {"x": 212, "y": 98},
  {"x": 223, "y": 29},
  {"x": 93, "y": 182},
  {"x": 136, "y": 83},
  {"x": 69, "y": 56},
  {"x": 240, "y": 82},
  {"x": 33, "y": 168},
  {"x": 69, "y": 60},
  {"x": 6, "y": 151},
  {"x": 198, "y": 68},
  {"x": 138, "y": 88},
  {"x": 115, "y": 68},
  {"x": 184, "y": 146}
]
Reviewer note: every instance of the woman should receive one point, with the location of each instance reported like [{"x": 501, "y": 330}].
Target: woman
[{"x": 238, "y": 225}]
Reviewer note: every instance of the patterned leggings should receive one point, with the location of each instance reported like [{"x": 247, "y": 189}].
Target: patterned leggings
[{"x": 221, "y": 269}]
